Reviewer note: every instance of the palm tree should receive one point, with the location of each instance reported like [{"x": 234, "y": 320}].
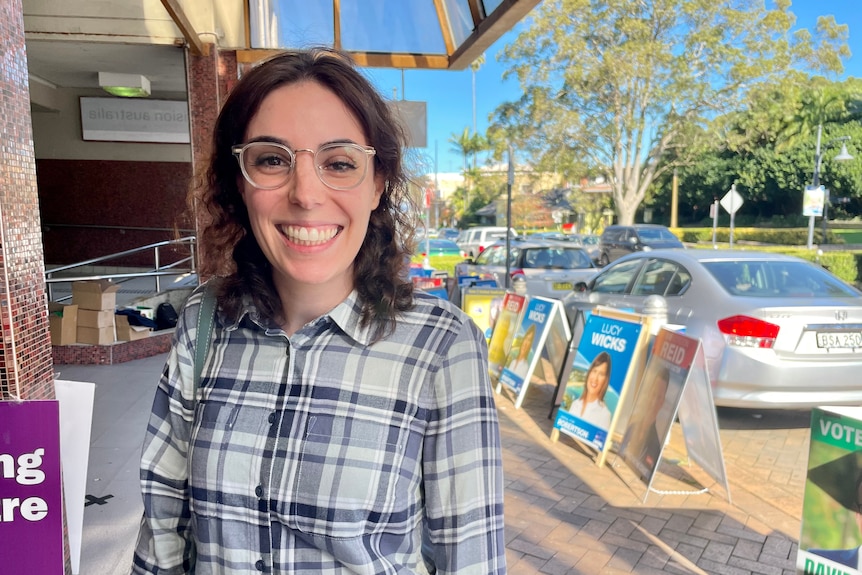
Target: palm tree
[{"x": 474, "y": 67}]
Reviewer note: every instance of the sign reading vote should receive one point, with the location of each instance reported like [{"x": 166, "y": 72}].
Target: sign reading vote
[
  {"x": 31, "y": 513},
  {"x": 135, "y": 120}
]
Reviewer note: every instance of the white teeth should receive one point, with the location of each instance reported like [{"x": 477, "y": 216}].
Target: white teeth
[{"x": 309, "y": 235}]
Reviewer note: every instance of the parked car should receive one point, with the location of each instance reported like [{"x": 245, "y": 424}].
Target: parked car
[
  {"x": 589, "y": 242},
  {"x": 474, "y": 240},
  {"x": 777, "y": 331},
  {"x": 549, "y": 268},
  {"x": 448, "y": 234},
  {"x": 617, "y": 241},
  {"x": 547, "y": 236},
  {"x": 437, "y": 247}
]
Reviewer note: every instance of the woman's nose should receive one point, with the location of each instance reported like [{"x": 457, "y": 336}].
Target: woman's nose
[{"x": 306, "y": 189}]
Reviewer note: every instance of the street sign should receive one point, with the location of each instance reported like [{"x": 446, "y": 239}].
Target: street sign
[{"x": 731, "y": 201}]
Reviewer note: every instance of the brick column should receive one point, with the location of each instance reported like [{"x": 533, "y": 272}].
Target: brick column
[
  {"x": 26, "y": 369},
  {"x": 210, "y": 77}
]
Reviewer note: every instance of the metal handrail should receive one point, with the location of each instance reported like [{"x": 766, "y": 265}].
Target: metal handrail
[{"x": 156, "y": 273}]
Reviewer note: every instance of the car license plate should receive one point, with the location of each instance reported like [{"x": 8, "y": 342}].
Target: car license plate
[
  {"x": 840, "y": 339},
  {"x": 563, "y": 286}
]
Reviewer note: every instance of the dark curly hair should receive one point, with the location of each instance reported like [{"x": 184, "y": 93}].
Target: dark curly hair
[{"x": 226, "y": 242}]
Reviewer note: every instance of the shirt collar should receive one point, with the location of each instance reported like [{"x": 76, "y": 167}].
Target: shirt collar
[{"x": 345, "y": 315}]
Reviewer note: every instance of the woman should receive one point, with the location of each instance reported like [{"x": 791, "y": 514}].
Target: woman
[
  {"x": 590, "y": 406},
  {"x": 342, "y": 423},
  {"x": 522, "y": 361}
]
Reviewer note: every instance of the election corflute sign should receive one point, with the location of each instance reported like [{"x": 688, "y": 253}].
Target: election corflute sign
[
  {"x": 597, "y": 378},
  {"x": 31, "y": 511},
  {"x": 831, "y": 531}
]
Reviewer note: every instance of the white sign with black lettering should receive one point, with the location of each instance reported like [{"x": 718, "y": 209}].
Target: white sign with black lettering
[{"x": 135, "y": 120}]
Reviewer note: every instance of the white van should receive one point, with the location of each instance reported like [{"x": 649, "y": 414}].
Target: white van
[{"x": 474, "y": 240}]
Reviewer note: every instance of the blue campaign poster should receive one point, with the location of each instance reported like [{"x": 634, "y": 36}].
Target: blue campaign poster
[
  {"x": 527, "y": 346},
  {"x": 595, "y": 381}
]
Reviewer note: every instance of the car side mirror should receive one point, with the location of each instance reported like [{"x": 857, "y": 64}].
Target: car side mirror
[
  {"x": 580, "y": 287},
  {"x": 633, "y": 240}
]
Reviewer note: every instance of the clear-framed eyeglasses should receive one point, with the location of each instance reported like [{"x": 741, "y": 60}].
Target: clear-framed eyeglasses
[{"x": 269, "y": 165}]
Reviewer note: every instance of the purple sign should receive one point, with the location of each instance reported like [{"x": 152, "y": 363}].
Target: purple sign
[{"x": 31, "y": 512}]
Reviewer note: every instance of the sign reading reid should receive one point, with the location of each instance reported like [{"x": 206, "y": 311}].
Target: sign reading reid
[{"x": 135, "y": 120}]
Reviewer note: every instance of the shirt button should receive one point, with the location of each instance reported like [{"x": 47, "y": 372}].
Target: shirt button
[
  {"x": 259, "y": 565},
  {"x": 272, "y": 417},
  {"x": 258, "y": 491}
]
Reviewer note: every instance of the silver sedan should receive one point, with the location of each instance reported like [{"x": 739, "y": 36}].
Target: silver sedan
[
  {"x": 777, "y": 331},
  {"x": 549, "y": 268}
]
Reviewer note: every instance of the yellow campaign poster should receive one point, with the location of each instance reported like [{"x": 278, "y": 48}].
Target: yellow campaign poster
[
  {"x": 483, "y": 306},
  {"x": 504, "y": 328}
]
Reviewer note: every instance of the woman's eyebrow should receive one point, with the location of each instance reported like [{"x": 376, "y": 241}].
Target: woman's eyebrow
[
  {"x": 270, "y": 139},
  {"x": 275, "y": 140}
]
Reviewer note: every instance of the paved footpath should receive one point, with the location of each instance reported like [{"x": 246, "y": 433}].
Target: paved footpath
[
  {"x": 567, "y": 515},
  {"x": 564, "y": 514}
]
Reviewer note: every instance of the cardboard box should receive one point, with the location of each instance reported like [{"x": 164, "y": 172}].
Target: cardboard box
[
  {"x": 94, "y": 318},
  {"x": 127, "y": 332},
  {"x": 96, "y": 335},
  {"x": 62, "y": 323},
  {"x": 95, "y": 294}
]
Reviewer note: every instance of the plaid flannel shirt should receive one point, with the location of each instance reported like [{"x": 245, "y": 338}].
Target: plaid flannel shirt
[{"x": 323, "y": 453}]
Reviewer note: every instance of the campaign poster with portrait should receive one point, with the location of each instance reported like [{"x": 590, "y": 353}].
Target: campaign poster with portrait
[
  {"x": 594, "y": 384},
  {"x": 831, "y": 530},
  {"x": 656, "y": 402},
  {"x": 527, "y": 345},
  {"x": 483, "y": 306},
  {"x": 503, "y": 333}
]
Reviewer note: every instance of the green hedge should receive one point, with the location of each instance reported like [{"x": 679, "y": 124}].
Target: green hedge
[
  {"x": 779, "y": 236},
  {"x": 845, "y": 264}
]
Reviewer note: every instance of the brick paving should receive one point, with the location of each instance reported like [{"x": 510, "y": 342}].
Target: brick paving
[{"x": 565, "y": 515}]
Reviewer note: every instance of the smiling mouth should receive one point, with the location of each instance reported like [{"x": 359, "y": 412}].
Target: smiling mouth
[{"x": 309, "y": 236}]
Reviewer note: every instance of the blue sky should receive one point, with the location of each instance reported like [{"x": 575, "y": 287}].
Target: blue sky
[{"x": 449, "y": 94}]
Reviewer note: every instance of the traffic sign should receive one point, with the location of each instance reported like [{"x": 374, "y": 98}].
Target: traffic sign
[{"x": 732, "y": 200}]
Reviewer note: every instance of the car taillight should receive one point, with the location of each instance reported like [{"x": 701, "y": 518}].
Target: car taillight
[{"x": 744, "y": 331}]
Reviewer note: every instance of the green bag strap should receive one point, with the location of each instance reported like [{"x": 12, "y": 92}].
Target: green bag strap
[{"x": 204, "y": 334}]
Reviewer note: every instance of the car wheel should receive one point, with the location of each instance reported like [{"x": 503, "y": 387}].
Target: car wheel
[{"x": 603, "y": 260}]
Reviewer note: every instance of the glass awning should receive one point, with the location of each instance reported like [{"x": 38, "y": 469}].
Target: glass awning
[{"x": 435, "y": 34}]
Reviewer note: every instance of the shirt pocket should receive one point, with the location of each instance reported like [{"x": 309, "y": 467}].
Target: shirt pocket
[
  {"x": 212, "y": 460},
  {"x": 348, "y": 483}
]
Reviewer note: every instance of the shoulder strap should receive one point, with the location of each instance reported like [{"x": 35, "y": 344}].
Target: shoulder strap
[{"x": 206, "y": 318}]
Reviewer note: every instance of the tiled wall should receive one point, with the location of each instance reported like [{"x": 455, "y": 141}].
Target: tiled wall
[
  {"x": 211, "y": 76},
  {"x": 26, "y": 369},
  {"x": 78, "y": 354},
  {"x": 25, "y": 351}
]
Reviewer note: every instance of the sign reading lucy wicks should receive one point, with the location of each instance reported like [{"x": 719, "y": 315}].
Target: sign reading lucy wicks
[{"x": 31, "y": 514}]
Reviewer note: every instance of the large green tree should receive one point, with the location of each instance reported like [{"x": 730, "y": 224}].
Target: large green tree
[
  {"x": 768, "y": 150},
  {"x": 620, "y": 83}
]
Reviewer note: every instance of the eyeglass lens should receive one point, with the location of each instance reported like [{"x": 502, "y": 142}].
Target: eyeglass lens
[{"x": 339, "y": 166}]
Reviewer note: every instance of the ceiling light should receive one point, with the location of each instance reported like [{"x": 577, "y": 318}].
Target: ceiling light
[{"x": 125, "y": 85}]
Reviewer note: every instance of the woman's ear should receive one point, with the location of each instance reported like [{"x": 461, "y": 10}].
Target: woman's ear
[{"x": 380, "y": 185}]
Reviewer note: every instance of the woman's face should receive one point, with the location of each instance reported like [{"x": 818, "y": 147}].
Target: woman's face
[
  {"x": 309, "y": 232},
  {"x": 597, "y": 381}
]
